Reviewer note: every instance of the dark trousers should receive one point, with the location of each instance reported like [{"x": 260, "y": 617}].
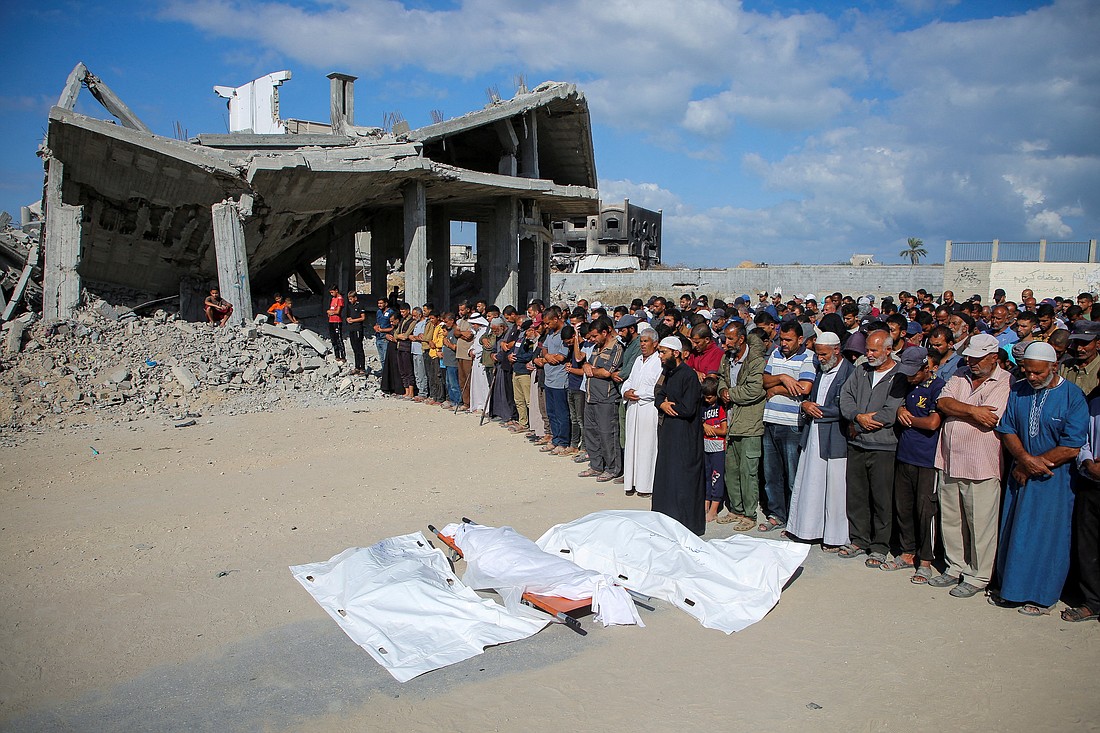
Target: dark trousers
[
  {"x": 405, "y": 366},
  {"x": 1086, "y": 535},
  {"x": 715, "y": 466},
  {"x": 870, "y": 478},
  {"x": 576, "y": 417},
  {"x": 601, "y": 438},
  {"x": 917, "y": 509},
  {"x": 356, "y": 338},
  {"x": 557, "y": 404},
  {"x": 781, "y": 448},
  {"x": 435, "y": 378},
  {"x": 336, "y": 335}
]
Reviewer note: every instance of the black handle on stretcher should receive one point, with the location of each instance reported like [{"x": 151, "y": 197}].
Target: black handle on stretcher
[{"x": 571, "y": 623}]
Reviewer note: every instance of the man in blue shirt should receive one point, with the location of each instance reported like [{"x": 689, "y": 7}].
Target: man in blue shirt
[{"x": 382, "y": 327}]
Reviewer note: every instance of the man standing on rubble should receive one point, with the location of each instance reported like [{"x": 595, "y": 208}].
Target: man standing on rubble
[{"x": 335, "y": 314}]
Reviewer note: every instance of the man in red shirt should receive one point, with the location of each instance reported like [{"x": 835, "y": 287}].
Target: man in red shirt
[
  {"x": 706, "y": 356},
  {"x": 336, "y": 323}
]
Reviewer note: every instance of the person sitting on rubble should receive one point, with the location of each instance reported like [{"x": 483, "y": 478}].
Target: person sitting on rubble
[
  {"x": 218, "y": 310},
  {"x": 281, "y": 311}
]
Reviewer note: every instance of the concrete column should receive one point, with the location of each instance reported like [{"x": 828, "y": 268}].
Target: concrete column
[
  {"x": 995, "y": 256},
  {"x": 1092, "y": 250},
  {"x": 229, "y": 247},
  {"x": 529, "y": 147},
  {"x": 340, "y": 261},
  {"x": 416, "y": 243},
  {"x": 439, "y": 252},
  {"x": 498, "y": 254},
  {"x": 60, "y": 279},
  {"x": 311, "y": 279},
  {"x": 341, "y": 102},
  {"x": 386, "y": 237},
  {"x": 1042, "y": 250},
  {"x": 947, "y": 251}
]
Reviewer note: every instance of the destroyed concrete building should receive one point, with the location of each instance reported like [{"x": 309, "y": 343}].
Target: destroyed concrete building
[
  {"x": 618, "y": 231},
  {"x": 128, "y": 208}
]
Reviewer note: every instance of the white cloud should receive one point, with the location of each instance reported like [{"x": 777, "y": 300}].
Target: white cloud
[{"x": 971, "y": 129}]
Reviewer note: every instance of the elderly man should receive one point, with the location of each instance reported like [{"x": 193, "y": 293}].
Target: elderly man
[
  {"x": 1084, "y": 370},
  {"x": 819, "y": 498},
  {"x": 679, "y": 481},
  {"x": 1000, "y": 327},
  {"x": 969, "y": 460},
  {"x": 869, "y": 401},
  {"x": 640, "y": 453},
  {"x": 1044, "y": 426},
  {"x": 788, "y": 378},
  {"x": 741, "y": 389},
  {"x": 601, "y": 410}
]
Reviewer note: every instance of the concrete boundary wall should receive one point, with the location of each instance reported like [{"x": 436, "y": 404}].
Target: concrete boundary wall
[{"x": 619, "y": 287}]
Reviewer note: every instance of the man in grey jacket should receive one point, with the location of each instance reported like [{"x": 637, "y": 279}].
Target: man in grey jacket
[{"x": 869, "y": 401}]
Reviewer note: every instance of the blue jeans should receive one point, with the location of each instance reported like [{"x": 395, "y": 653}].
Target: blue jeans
[
  {"x": 557, "y": 408},
  {"x": 381, "y": 345},
  {"x": 780, "y": 465},
  {"x": 454, "y": 390}
]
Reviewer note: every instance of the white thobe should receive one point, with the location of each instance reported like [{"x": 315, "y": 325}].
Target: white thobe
[
  {"x": 479, "y": 383},
  {"x": 819, "y": 505},
  {"x": 640, "y": 454}
]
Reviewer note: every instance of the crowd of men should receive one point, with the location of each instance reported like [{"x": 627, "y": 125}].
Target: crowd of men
[{"x": 914, "y": 434}]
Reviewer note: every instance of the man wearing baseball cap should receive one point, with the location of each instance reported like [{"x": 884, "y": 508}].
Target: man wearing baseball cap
[
  {"x": 1084, "y": 370},
  {"x": 969, "y": 458}
]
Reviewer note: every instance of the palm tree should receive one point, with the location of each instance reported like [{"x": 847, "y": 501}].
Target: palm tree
[{"x": 915, "y": 252}]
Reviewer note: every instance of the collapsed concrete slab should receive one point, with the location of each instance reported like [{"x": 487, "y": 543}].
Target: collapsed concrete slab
[{"x": 142, "y": 209}]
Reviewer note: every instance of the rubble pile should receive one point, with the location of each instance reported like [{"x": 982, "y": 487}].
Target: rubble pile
[{"x": 124, "y": 366}]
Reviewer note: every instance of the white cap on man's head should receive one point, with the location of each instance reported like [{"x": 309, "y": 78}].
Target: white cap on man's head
[
  {"x": 1041, "y": 351},
  {"x": 671, "y": 342}
]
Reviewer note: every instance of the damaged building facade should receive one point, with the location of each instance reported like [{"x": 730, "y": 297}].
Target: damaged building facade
[
  {"x": 249, "y": 209},
  {"x": 616, "y": 234}
]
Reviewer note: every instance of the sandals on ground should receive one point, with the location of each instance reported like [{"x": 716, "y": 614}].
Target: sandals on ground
[
  {"x": 922, "y": 576},
  {"x": 849, "y": 551},
  {"x": 1080, "y": 613},
  {"x": 875, "y": 560}
]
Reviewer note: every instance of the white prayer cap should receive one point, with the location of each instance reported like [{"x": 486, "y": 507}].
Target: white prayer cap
[
  {"x": 595, "y": 305},
  {"x": 671, "y": 342},
  {"x": 1040, "y": 351},
  {"x": 827, "y": 338},
  {"x": 810, "y": 296}
]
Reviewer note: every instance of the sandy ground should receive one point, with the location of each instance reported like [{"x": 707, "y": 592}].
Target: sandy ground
[{"x": 115, "y": 617}]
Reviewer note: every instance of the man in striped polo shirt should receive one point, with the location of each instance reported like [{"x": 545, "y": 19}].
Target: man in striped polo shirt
[{"x": 788, "y": 378}]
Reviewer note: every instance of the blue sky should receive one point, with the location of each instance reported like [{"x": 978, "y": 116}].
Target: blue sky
[{"x": 769, "y": 130}]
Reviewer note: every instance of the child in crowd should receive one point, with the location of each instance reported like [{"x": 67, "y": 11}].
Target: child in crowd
[{"x": 714, "y": 447}]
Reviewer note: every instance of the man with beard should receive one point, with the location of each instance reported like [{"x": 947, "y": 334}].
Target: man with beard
[
  {"x": 601, "y": 409},
  {"x": 741, "y": 388},
  {"x": 869, "y": 401},
  {"x": 1045, "y": 423},
  {"x": 819, "y": 497},
  {"x": 1000, "y": 327},
  {"x": 941, "y": 349},
  {"x": 627, "y": 326},
  {"x": 678, "y": 479},
  {"x": 640, "y": 437},
  {"x": 969, "y": 460},
  {"x": 1084, "y": 370}
]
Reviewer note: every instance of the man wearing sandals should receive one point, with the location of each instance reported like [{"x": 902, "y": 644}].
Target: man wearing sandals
[
  {"x": 869, "y": 401},
  {"x": 1044, "y": 426},
  {"x": 969, "y": 460}
]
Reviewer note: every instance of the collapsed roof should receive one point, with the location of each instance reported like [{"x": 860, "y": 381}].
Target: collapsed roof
[{"x": 147, "y": 198}]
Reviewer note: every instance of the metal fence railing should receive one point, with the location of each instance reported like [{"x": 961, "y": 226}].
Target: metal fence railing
[
  {"x": 972, "y": 251},
  {"x": 1041, "y": 251}
]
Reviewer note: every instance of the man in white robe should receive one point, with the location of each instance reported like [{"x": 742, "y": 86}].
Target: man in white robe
[
  {"x": 479, "y": 383},
  {"x": 819, "y": 498},
  {"x": 640, "y": 454}
]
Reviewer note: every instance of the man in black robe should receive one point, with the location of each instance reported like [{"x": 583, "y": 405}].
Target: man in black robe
[{"x": 679, "y": 479}]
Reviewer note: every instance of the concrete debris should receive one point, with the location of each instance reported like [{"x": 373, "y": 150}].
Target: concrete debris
[{"x": 103, "y": 367}]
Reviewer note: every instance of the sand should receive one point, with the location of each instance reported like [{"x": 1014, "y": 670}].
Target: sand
[{"x": 147, "y": 589}]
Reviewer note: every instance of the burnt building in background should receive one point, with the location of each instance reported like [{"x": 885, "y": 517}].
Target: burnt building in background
[{"x": 618, "y": 231}]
